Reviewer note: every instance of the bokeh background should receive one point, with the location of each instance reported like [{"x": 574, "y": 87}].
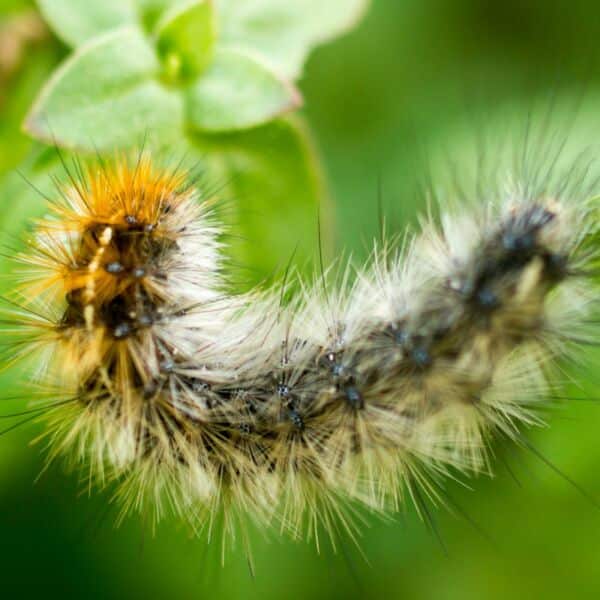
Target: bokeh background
[{"x": 398, "y": 87}]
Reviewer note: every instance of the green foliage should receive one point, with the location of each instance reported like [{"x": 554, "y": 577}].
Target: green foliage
[
  {"x": 222, "y": 83},
  {"x": 273, "y": 177},
  {"x": 186, "y": 37},
  {"x": 285, "y": 31},
  {"x": 237, "y": 92},
  {"x": 77, "y": 21},
  {"x": 112, "y": 108}
]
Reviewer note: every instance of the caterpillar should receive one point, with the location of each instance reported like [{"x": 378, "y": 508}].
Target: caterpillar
[{"x": 291, "y": 414}]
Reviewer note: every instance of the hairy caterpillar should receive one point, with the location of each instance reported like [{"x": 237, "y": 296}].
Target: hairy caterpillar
[{"x": 163, "y": 381}]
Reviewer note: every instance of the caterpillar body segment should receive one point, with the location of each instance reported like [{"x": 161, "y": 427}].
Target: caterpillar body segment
[{"x": 188, "y": 395}]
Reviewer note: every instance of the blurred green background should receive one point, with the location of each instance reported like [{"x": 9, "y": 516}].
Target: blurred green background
[{"x": 377, "y": 98}]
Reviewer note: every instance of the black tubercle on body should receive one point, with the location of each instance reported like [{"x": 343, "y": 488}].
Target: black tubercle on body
[
  {"x": 416, "y": 347},
  {"x": 114, "y": 267},
  {"x": 344, "y": 377},
  {"x": 283, "y": 391},
  {"x": 122, "y": 302},
  {"x": 354, "y": 397},
  {"x": 491, "y": 279},
  {"x": 296, "y": 419}
]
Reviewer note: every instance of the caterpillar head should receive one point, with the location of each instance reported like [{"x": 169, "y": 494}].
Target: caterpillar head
[{"x": 111, "y": 266}]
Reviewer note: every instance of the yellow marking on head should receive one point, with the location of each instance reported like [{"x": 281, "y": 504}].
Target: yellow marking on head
[
  {"x": 106, "y": 237},
  {"x": 88, "y": 314},
  {"x": 90, "y": 285}
]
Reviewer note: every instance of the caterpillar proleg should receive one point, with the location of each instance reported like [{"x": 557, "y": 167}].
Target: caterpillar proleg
[{"x": 191, "y": 397}]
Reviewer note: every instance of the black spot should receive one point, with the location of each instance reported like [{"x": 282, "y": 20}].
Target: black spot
[
  {"x": 555, "y": 265},
  {"x": 145, "y": 320},
  {"x": 73, "y": 297},
  {"x": 114, "y": 267},
  {"x": 338, "y": 370},
  {"x": 283, "y": 391},
  {"x": 520, "y": 232},
  {"x": 245, "y": 428},
  {"x": 401, "y": 337},
  {"x": 421, "y": 357},
  {"x": 297, "y": 420},
  {"x": 73, "y": 314},
  {"x": 487, "y": 299},
  {"x": 441, "y": 331},
  {"x": 122, "y": 330},
  {"x": 199, "y": 386},
  {"x": 518, "y": 242},
  {"x": 354, "y": 397}
]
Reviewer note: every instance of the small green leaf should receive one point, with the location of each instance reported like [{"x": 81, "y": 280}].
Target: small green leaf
[
  {"x": 238, "y": 91},
  {"x": 273, "y": 174},
  {"x": 105, "y": 95},
  {"x": 185, "y": 39},
  {"x": 282, "y": 31},
  {"x": 77, "y": 21},
  {"x": 285, "y": 31}
]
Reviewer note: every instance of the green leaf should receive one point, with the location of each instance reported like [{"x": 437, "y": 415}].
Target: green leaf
[
  {"x": 186, "y": 37},
  {"x": 151, "y": 12},
  {"x": 238, "y": 91},
  {"x": 105, "y": 95},
  {"x": 273, "y": 175},
  {"x": 284, "y": 31},
  {"x": 77, "y": 21}
]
